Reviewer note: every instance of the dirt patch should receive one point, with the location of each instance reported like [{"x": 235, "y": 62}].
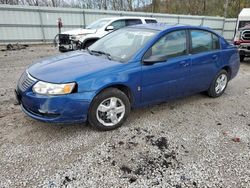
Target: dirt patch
[{"x": 195, "y": 141}]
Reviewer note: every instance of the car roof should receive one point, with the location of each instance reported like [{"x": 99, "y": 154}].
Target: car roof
[
  {"x": 127, "y": 17},
  {"x": 245, "y": 13},
  {"x": 164, "y": 26}
]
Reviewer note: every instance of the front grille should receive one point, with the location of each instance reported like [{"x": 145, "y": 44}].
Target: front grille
[
  {"x": 25, "y": 81},
  {"x": 64, "y": 39},
  {"x": 246, "y": 35}
]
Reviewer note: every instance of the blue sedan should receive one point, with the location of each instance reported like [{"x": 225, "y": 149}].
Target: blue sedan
[{"x": 128, "y": 68}]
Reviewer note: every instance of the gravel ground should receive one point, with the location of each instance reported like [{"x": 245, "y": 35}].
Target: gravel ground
[{"x": 195, "y": 141}]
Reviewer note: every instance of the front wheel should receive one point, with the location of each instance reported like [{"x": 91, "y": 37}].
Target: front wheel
[
  {"x": 219, "y": 84},
  {"x": 242, "y": 57},
  {"x": 109, "y": 109}
]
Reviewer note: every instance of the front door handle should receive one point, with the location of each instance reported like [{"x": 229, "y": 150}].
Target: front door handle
[{"x": 184, "y": 63}]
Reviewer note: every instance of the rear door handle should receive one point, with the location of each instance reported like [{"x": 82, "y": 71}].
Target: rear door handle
[
  {"x": 184, "y": 63},
  {"x": 215, "y": 57}
]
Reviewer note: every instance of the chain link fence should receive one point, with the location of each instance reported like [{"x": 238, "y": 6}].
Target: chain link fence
[{"x": 25, "y": 24}]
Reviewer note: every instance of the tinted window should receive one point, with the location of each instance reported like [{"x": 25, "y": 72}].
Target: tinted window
[
  {"x": 203, "y": 41},
  {"x": 133, "y": 22},
  {"x": 150, "y": 21},
  {"x": 171, "y": 45},
  {"x": 216, "y": 42},
  {"x": 118, "y": 24}
]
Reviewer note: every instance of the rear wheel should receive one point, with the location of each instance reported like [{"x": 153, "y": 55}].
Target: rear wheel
[
  {"x": 219, "y": 84},
  {"x": 109, "y": 109}
]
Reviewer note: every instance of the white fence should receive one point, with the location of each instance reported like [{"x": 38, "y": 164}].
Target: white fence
[{"x": 26, "y": 24}]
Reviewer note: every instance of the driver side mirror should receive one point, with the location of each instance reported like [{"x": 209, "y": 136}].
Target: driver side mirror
[
  {"x": 155, "y": 59},
  {"x": 109, "y": 28}
]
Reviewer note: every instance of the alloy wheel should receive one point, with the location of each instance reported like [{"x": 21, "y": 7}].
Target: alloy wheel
[
  {"x": 110, "y": 111},
  {"x": 221, "y": 83}
]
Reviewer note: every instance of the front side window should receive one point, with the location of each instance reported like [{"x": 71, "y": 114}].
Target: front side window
[
  {"x": 133, "y": 22},
  {"x": 171, "y": 45},
  {"x": 203, "y": 41},
  {"x": 118, "y": 24}
]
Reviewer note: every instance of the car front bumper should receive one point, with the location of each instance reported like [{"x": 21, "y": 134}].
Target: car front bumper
[
  {"x": 66, "y": 43},
  {"x": 56, "y": 109},
  {"x": 244, "y": 49}
]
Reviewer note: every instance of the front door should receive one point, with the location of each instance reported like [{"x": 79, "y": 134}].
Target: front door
[{"x": 169, "y": 78}]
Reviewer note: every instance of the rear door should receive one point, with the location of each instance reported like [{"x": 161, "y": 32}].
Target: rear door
[{"x": 206, "y": 57}]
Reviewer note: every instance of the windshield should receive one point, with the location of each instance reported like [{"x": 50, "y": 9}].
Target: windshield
[
  {"x": 97, "y": 24},
  {"x": 244, "y": 24},
  {"x": 122, "y": 44}
]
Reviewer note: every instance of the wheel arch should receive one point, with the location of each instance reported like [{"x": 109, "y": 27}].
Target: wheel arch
[
  {"x": 122, "y": 87},
  {"x": 228, "y": 69}
]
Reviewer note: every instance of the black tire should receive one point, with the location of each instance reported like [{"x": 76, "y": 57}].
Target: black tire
[
  {"x": 212, "y": 89},
  {"x": 242, "y": 57},
  {"x": 105, "y": 95},
  {"x": 62, "y": 49}
]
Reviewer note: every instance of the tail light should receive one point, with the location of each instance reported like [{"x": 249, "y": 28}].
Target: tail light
[
  {"x": 238, "y": 42},
  {"x": 237, "y": 39}
]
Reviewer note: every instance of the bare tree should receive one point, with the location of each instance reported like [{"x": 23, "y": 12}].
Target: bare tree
[{"x": 227, "y": 8}]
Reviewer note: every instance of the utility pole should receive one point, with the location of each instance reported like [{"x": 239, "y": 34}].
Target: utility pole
[
  {"x": 204, "y": 7},
  {"x": 154, "y": 6},
  {"x": 225, "y": 8},
  {"x": 121, "y": 4}
]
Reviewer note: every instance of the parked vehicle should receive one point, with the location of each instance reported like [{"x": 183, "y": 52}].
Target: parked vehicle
[
  {"x": 82, "y": 38},
  {"x": 242, "y": 33},
  {"x": 132, "y": 67}
]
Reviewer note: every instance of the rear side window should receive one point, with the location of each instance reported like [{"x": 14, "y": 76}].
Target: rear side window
[
  {"x": 118, "y": 24},
  {"x": 150, "y": 21},
  {"x": 203, "y": 41},
  {"x": 133, "y": 22},
  {"x": 216, "y": 42}
]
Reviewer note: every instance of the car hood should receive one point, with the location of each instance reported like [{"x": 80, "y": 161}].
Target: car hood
[
  {"x": 69, "y": 67},
  {"x": 80, "y": 31}
]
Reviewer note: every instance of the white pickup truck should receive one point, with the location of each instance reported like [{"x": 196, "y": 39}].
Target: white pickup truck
[
  {"x": 242, "y": 33},
  {"x": 83, "y": 38}
]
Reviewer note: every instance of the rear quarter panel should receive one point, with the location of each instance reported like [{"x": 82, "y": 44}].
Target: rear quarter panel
[{"x": 230, "y": 57}]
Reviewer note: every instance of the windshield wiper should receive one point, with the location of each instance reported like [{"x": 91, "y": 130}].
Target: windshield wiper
[
  {"x": 100, "y": 53},
  {"x": 88, "y": 50}
]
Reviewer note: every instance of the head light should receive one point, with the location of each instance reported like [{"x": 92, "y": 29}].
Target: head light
[
  {"x": 45, "y": 88},
  {"x": 77, "y": 37}
]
